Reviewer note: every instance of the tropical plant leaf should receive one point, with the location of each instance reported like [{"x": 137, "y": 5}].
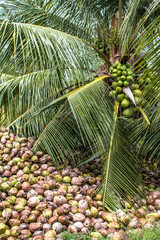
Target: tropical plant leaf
[
  {"x": 56, "y": 125},
  {"x": 96, "y": 123},
  {"x": 131, "y": 23},
  {"x": 144, "y": 115},
  {"x": 54, "y": 119},
  {"x": 120, "y": 176},
  {"x": 146, "y": 136},
  {"x": 42, "y": 69},
  {"x": 59, "y": 139},
  {"x": 23, "y": 92},
  {"x": 108, "y": 162},
  {"x": 40, "y": 14},
  {"x": 34, "y": 48},
  {"x": 34, "y": 120},
  {"x": 93, "y": 108},
  {"x": 149, "y": 61}
]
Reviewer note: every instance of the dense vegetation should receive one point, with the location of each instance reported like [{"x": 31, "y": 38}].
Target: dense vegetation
[{"x": 49, "y": 55}]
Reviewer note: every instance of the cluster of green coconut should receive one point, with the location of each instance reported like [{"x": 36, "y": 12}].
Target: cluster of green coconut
[
  {"x": 101, "y": 45},
  {"x": 124, "y": 77}
]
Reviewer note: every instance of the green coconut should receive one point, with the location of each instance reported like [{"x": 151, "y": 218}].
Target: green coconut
[
  {"x": 111, "y": 69},
  {"x": 123, "y": 78},
  {"x": 124, "y": 73},
  {"x": 58, "y": 178},
  {"x": 119, "y": 73},
  {"x": 134, "y": 86},
  {"x": 115, "y": 65},
  {"x": 126, "y": 84},
  {"x": 5, "y": 186},
  {"x": 66, "y": 179},
  {"x": 127, "y": 112},
  {"x": 138, "y": 100},
  {"x": 120, "y": 97},
  {"x": 123, "y": 67},
  {"x": 114, "y": 75},
  {"x": 112, "y": 93},
  {"x": 128, "y": 65},
  {"x": 114, "y": 85},
  {"x": 119, "y": 67},
  {"x": 120, "y": 83},
  {"x": 118, "y": 89},
  {"x": 129, "y": 78},
  {"x": 114, "y": 71},
  {"x": 129, "y": 72},
  {"x": 125, "y": 103}
]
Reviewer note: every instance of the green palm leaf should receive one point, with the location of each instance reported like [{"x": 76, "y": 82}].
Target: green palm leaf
[
  {"x": 60, "y": 122},
  {"x": 120, "y": 176},
  {"x": 41, "y": 14},
  {"x": 34, "y": 120},
  {"x": 33, "y": 48},
  {"x": 94, "y": 107},
  {"x": 90, "y": 130},
  {"x": 147, "y": 137},
  {"x": 95, "y": 120},
  {"x": 132, "y": 27},
  {"x": 59, "y": 138},
  {"x": 149, "y": 61},
  {"x": 23, "y": 92}
]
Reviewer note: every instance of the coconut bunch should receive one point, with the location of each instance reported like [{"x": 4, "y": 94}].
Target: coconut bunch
[
  {"x": 101, "y": 45},
  {"x": 38, "y": 201},
  {"x": 124, "y": 77}
]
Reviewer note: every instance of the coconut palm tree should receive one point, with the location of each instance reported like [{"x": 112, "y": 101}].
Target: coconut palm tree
[{"x": 49, "y": 62}]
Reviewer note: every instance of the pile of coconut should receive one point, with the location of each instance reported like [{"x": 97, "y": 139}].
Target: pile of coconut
[{"x": 38, "y": 202}]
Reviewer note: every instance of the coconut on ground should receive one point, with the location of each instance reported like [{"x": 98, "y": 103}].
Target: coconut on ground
[{"x": 39, "y": 202}]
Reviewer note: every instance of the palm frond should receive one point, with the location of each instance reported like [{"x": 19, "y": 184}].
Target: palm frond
[
  {"x": 54, "y": 119},
  {"x": 127, "y": 27},
  {"x": 58, "y": 138},
  {"x": 30, "y": 48},
  {"x": 34, "y": 13},
  {"x": 120, "y": 176},
  {"x": 147, "y": 137},
  {"x": 94, "y": 117},
  {"x": 131, "y": 23},
  {"x": 111, "y": 201},
  {"x": 149, "y": 61},
  {"x": 64, "y": 16},
  {"x": 94, "y": 107},
  {"x": 26, "y": 91},
  {"x": 2, "y": 13},
  {"x": 34, "y": 119},
  {"x": 85, "y": 14},
  {"x": 60, "y": 129},
  {"x": 80, "y": 99}
]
